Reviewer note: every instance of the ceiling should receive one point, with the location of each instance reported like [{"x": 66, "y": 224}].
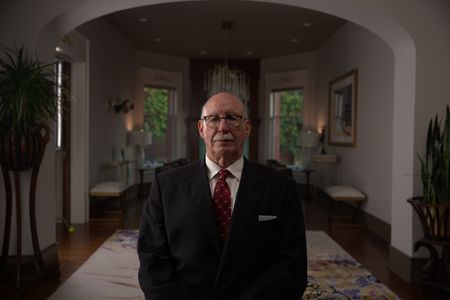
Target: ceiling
[{"x": 193, "y": 29}]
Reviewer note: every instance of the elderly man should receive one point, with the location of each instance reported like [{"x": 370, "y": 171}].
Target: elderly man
[{"x": 222, "y": 227}]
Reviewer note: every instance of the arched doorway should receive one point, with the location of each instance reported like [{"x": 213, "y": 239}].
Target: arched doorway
[{"x": 368, "y": 17}]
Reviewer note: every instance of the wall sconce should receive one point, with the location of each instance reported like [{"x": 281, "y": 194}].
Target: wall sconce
[{"x": 119, "y": 106}]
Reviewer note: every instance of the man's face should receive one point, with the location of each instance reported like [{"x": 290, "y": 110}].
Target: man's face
[{"x": 224, "y": 143}]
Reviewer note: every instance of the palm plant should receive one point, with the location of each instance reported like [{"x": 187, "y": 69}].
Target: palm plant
[
  {"x": 435, "y": 166},
  {"x": 27, "y": 92}
]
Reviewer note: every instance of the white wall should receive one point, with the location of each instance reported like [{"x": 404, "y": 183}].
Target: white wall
[
  {"x": 429, "y": 27},
  {"x": 367, "y": 166},
  {"x": 115, "y": 72},
  {"x": 112, "y": 72}
]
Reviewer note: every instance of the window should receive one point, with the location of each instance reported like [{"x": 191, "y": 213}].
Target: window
[
  {"x": 59, "y": 118},
  {"x": 159, "y": 119},
  {"x": 62, "y": 73},
  {"x": 286, "y": 108}
]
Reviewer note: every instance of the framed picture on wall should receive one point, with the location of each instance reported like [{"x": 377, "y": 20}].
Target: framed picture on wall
[{"x": 343, "y": 96}]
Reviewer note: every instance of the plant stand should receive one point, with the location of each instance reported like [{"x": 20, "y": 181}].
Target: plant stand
[
  {"x": 21, "y": 153},
  {"x": 435, "y": 219},
  {"x": 436, "y": 272}
]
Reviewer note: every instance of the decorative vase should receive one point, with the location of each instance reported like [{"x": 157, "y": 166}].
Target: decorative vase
[
  {"x": 20, "y": 152},
  {"x": 435, "y": 219}
]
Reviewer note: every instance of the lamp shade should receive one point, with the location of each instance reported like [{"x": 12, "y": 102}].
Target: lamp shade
[
  {"x": 141, "y": 137},
  {"x": 309, "y": 139}
]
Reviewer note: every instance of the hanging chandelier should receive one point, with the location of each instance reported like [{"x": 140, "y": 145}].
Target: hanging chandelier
[{"x": 220, "y": 78}]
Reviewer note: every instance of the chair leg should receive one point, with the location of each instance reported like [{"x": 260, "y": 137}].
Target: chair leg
[
  {"x": 356, "y": 212},
  {"x": 104, "y": 215}
]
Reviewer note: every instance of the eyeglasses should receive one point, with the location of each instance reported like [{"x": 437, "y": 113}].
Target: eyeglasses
[{"x": 213, "y": 121}]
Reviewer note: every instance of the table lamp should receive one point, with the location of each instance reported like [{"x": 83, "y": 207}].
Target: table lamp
[
  {"x": 308, "y": 140},
  {"x": 141, "y": 139}
]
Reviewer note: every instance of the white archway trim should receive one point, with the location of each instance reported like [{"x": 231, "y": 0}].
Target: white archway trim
[{"x": 371, "y": 16}]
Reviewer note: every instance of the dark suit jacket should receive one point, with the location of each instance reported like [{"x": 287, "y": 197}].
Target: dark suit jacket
[{"x": 181, "y": 254}]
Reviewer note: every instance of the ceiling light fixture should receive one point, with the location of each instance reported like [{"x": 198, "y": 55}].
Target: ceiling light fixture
[
  {"x": 220, "y": 78},
  {"x": 143, "y": 20}
]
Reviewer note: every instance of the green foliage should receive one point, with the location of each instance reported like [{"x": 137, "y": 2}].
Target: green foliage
[
  {"x": 27, "y": 92},
  {"x": 156, "y": 105},
  {"x": 291, "y": 121},
  {"x": 435, "y": 166}
]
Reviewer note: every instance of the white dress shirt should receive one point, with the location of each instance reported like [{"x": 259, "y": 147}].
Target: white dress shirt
[{"x": 233, "y": 180}]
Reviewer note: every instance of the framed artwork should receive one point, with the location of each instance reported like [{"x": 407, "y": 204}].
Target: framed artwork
[{"x": 343, "y": 96}]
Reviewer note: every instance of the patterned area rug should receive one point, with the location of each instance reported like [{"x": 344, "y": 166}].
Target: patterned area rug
[
  {"x": 334, "y": 274},
  {"x": 111, "y": 273}
]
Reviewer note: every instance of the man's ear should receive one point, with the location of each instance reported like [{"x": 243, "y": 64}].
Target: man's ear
[
  {"x": 201, "y": 128},
  {"x": 248, "y": 127}
]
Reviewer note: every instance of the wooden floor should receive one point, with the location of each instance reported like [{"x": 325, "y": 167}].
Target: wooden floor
[{"x": 74, "y": 249}]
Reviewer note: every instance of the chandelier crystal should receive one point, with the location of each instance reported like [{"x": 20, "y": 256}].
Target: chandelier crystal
[{"x": 220, "y": 78}]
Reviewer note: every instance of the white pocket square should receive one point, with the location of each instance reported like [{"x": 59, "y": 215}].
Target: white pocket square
[{"x": 262, "y": 218}]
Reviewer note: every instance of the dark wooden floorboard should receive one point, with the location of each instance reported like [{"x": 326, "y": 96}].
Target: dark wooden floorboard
[{"x": 74, "y": 249}]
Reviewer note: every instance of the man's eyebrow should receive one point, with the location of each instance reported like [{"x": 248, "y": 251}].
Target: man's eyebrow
[{"x": 224, "y": 114}]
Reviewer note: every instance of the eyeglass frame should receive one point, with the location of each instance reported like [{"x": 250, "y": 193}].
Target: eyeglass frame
[{"x": 227, "y": 118}]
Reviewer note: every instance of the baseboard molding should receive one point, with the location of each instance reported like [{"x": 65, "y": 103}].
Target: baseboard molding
[
  {"x": 50, "y": 258},
  {"x": 408, "y": 268},
  {"x": 373, "y": 224},
  {"x": 378, "y": 227}
]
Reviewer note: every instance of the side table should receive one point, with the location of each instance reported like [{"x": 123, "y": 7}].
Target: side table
[{"x": 142, "y": 170}]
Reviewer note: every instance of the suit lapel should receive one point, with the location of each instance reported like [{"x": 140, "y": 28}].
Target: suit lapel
[{"x": 200, "y": 194}]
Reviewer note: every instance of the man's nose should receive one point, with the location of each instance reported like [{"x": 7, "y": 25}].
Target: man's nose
[{"x": 223, "y": 126}]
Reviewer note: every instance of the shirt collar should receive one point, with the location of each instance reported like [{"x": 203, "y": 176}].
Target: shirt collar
[{"x": 235, "y": 168}]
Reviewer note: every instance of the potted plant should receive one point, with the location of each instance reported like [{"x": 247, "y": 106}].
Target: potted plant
[
  {"x": 433, "y": 208},
  {"x": 435, "y": 176},
  {"x": 28, "y": 103}
]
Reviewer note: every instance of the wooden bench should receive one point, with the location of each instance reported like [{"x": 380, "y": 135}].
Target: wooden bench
[
  {"x": 107, "y": 202},
  {"x": 343, "y": 193}
]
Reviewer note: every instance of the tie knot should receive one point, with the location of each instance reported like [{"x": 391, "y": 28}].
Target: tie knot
[{"x": 223, "y": 173}]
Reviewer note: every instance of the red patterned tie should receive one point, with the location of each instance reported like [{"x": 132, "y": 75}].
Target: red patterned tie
[{"x": 222, "y": 202}]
